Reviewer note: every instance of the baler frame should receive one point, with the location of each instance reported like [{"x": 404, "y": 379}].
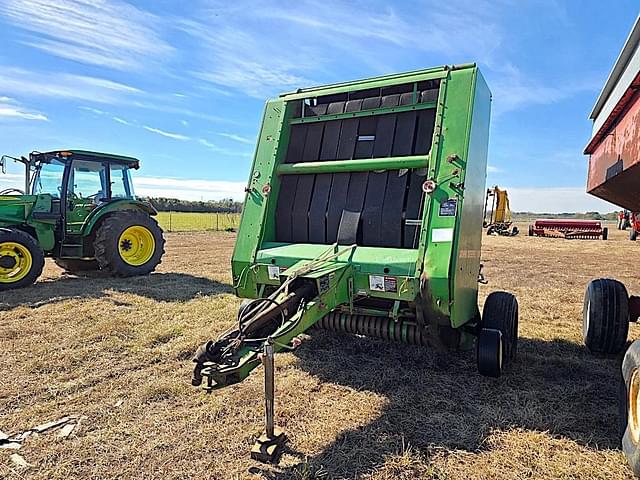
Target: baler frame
[{"x": 419, "y": 285}]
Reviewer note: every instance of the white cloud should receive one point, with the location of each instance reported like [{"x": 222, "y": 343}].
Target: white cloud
[
  {"x": 493, "y": 169},
  {"x": 106, "y": 33},
  {"x": 513, "y": 90},
  {"x": 175, "y": 136},
  {"x": 122, "y": 121},
  {"x": 9, "y": 109},
  {"x": 92, "y": 110},
  {"x": 556, "y": 200},
  {"x": 64, "y": 86},
  {"x": 237, "y": 43},
  {"x": 223, "y": 151},
  {"x": 237, "y": 138},
  {"x": 187, "y": 189}
]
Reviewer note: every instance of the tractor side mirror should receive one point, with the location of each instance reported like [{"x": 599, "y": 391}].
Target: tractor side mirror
[{"x": 3, "y": 165}]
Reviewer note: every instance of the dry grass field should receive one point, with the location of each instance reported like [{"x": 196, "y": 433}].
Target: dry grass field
[{"x": 118, "y": 353}]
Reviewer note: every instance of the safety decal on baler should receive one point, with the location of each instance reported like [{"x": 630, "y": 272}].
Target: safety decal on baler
[
  {"x": 383, "y": 283},
  {"x": 448, "y": 208},
  {"x": 274, "y": 272}
]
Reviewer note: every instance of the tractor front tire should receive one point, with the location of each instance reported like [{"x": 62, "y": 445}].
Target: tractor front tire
[
  {"x": 21, "y": 259},
  {"x": 72, "y": 265},
  {"x": 630, "y": 406},
  {"x": 499, "y": 324},
  {"x": 605, "y": 316},
  {"x": 129, "y": 243},
  {"x": 633, "y": 234}
]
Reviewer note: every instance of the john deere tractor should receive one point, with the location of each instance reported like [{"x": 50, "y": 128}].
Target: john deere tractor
[{"x": 77, "y": 207}]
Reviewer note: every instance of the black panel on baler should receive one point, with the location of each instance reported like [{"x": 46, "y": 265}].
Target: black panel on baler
[
  {"x": 304, "y": 189},
  {"x": 413, "y": 204},
  {"x": 337, "y": 202}
]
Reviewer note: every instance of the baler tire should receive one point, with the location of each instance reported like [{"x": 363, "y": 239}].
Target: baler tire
[
  {"x": 633, "y": 234},
  {"x": 74, "y": 266},
  {"x": 605, "y": 233},
  {"x": 630, "y": 408},
  {"x": 23, "y": 241},
  {"x": 108, "y": 243},
  {"x": 531, "y": 230},
  {"x": 605, "y": 316},
  {"x": 500, "y": 312},
  {"x": 490, "y": 355}
]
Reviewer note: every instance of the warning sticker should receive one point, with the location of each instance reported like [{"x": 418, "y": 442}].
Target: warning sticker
[
  {"x": 448, "y": 208},
  {"x": 274, "y": 272},
  {"x": 390, "y": 284},
  {"x": 383, "y": 283},
  {"x": 376, "y": 283}
]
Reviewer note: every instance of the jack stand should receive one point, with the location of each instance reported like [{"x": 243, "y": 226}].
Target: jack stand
[{"x": 268, "y": 446}]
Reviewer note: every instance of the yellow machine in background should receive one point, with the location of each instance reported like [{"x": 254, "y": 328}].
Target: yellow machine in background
[{"x": 499, "y": 220}]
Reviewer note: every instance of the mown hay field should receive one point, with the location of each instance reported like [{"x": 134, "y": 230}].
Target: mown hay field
[
  {"x": 118, "y": 353},
  {"x": 198, "y": 221}
]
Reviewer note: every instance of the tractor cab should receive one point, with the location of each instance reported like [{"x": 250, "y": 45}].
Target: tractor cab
[{"x": 79, "y": 181}]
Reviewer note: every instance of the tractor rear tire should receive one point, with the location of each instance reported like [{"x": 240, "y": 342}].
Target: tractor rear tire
[
  {"x": 500, "y": 313},
  {"x": 21, "y": 259},
  {"x": 129, "y": 243},
  {"x": 630, "y": 406},
  {"x": 71, "y": 265},
  {"x": 605, "y": 316},
  {"x": 633, "y": 235}
]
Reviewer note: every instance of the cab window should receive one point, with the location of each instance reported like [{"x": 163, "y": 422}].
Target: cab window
[
  {"x": 121, "y": 182},
  {"x": 88, "y": 180},
  {"x": 48, "y": 179}
]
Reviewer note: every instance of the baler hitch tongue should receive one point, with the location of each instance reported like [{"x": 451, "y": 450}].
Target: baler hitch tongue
[{"x": 231, "y": 358}]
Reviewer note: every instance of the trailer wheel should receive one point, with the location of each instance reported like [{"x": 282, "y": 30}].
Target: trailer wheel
[
  {"x": 633, "y": 235},
  {"x": 605, "y": 316},
  {"x": 630, "y": 406},
  {"x": 605, "y": 233},
  {"x": 500, "y": 313}
]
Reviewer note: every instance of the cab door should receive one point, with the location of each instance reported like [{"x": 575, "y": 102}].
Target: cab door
[{"x": 87, "y": 188}]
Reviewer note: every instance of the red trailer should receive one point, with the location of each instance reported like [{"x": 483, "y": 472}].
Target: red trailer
[{"x": 614, "y": 175}]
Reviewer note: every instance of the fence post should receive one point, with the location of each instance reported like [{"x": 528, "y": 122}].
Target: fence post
[
  {"x": 170, "y": 221},
  {"x": 217, "y": 222}
]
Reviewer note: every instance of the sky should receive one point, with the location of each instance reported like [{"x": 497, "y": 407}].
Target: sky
[{"x": 182, "y": 85}]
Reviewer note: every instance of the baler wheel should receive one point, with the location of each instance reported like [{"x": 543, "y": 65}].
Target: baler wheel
[
  {"x": 490, "y": 353},
  {"x": 531, "y": 230},
  {"x": 605, "y": 233},
  {"x": 633, "y": 235},
  {"x": 500, "y": 313},
  {"x": 629, "y": 403},
  {"x": 605, "y": 316}
]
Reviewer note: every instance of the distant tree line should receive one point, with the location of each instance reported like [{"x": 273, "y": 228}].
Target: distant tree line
[{"x": 226, "y": 205}]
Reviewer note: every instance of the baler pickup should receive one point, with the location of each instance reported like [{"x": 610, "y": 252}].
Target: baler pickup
[{"x": 569, "y": 229}]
